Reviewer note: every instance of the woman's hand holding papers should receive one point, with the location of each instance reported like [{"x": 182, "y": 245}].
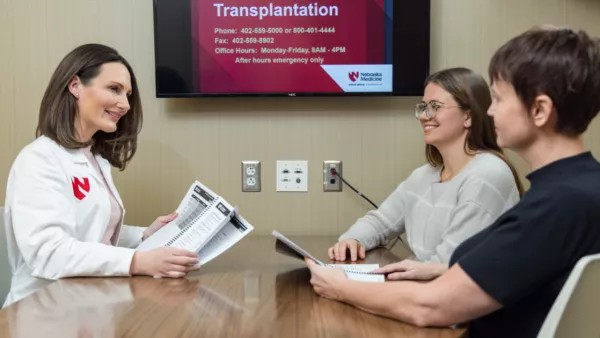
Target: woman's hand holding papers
[
  {"x": 164, "y": 262},
  {"x": 160, "y": 222},
  {"x": 326, "y": 280}
]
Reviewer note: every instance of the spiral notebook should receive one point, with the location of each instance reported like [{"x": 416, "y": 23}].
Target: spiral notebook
[
  {"x": 206, "y": 224},
  {"x": 357, "y": 272}
]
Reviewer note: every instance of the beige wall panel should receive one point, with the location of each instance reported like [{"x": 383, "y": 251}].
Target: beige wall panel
[{"x": 378, "y": 139}]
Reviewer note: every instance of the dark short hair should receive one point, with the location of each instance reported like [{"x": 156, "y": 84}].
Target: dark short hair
[
  {"x": 558, "y": 62},
  {"x": 58, "y": 109},
  {"x": 472, "y": 94}
]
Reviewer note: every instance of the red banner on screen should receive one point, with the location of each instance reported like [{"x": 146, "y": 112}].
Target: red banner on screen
[{"x": 280, "y": 45}]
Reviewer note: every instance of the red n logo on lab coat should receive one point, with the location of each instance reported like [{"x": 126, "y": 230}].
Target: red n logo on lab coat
[{"x": 80, "y": 188}]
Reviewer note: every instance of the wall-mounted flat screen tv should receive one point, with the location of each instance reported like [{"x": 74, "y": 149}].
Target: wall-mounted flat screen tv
[{"x": 291, "y": 47}]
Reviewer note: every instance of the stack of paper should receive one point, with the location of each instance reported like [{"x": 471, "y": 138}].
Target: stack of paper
[{"x": 206, "y": 224}]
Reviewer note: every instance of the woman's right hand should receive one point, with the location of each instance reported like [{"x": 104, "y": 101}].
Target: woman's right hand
[
  {"x": 164, "y": 262},
  {"x": 338, "y": 251},
  {"x": 413, "y": 270}
]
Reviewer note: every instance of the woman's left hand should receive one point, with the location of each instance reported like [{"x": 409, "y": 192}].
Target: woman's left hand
[
  {"x": 160, "y": 222},
  {"x": 325, "y": 280}
]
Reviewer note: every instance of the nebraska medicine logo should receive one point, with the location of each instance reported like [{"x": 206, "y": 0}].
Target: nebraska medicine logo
[
  {"x": 80, "y": 187},
  {"x": 365, "y": 77}
]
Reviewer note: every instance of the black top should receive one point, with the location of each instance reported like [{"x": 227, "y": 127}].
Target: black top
[{"x": 523, "y": 259}]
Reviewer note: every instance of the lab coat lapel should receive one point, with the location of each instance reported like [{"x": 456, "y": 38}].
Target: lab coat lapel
[
  {"x": 105, "y": 167},
  {"x": 84, "y": 165}
]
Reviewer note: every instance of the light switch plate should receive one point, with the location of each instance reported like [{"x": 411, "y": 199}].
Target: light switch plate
[
  {"x": 251, "y": 176},
  {"x": 292, "y": 176},
  {"x": 332, "y": 182}
]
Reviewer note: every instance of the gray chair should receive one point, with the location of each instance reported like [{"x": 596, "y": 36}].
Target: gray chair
[
  {"x": 5, "y": 272},
  {"x": 575, "y": 310}
]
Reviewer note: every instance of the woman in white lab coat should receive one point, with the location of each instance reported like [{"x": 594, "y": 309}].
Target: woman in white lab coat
[{"x": 63, "y": 214}]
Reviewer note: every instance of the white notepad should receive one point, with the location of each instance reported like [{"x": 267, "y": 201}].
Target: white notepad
[
  {"x": 357, "y": 272},
  {"x": 360, "y": 272}
]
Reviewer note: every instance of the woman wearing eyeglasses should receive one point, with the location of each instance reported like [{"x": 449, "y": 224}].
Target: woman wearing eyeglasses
[{"x": 466, "y": 185}]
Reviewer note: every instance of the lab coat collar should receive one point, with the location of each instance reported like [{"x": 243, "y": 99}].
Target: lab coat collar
[{"x": 77, "y": 156}]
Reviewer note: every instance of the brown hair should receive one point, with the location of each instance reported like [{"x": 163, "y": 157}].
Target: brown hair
[
  {"x": 557, "y": 62},
  {"x": 472, "y": 94},
  {"x": 58, "y": 109}
]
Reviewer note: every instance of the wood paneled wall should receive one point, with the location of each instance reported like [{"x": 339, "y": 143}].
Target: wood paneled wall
[{"x": 206, "y": 139}]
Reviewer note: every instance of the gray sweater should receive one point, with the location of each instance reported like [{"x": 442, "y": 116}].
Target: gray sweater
[{"x": 437, "y": 216}]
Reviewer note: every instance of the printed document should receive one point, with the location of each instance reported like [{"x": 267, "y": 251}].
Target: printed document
[{"x": 206, "y": 224}]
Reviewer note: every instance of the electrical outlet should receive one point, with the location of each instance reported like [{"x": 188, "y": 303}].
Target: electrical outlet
[
  {"x": 251, "y": 176},
  {"x": 292, "y": 176},
  {"x": 332, "y": 182}
]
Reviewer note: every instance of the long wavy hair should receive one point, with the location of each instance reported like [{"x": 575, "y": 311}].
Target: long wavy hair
[
  {"x": 472, "y": 94},
  {"x": 58, "y": 110}
]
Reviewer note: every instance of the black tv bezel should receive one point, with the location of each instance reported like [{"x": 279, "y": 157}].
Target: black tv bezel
[{"x": 425, "y": 41}]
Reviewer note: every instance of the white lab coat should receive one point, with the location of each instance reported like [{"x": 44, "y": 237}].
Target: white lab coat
[{"x": 54, "y": 226}]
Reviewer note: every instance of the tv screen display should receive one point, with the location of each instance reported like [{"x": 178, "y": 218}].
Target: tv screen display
[{"x": 291, "y": 47}]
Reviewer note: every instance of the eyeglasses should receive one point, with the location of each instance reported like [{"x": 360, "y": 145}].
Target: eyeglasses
[{"x": 431, "y": 109}]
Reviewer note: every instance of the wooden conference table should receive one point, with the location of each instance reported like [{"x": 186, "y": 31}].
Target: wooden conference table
[{"x": 249, "y": 291}]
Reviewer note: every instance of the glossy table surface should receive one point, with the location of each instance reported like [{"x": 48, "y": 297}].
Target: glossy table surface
[{"x": 249, "y": 291}]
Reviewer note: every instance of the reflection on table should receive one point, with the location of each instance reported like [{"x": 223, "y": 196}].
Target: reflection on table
[{"x": 249, "y": 291}]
